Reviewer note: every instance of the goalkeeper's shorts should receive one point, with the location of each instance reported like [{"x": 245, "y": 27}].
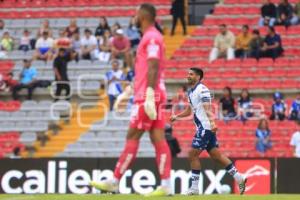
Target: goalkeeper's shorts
[{"x": 140, "y": 120}]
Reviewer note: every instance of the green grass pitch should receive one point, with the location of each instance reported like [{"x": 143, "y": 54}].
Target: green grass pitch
[{"x": 138, "y": 197}]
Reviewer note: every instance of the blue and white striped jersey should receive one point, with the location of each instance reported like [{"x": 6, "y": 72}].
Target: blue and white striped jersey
[{"x": 197, "y": 96}]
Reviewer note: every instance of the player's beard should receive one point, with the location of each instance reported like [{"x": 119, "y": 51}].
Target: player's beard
[{"x": 138, "y": 24}]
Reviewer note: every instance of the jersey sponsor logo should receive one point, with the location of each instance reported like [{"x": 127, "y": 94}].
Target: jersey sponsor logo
[
  {"x": 152, "y": 49},
  {"x": 258, "y": 174}
]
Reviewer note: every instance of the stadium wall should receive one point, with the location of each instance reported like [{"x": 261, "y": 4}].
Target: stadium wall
[{"x": 39, "y": 176}]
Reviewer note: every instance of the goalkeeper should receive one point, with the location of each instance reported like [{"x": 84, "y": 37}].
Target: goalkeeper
[{"x": 149, "y": 98}]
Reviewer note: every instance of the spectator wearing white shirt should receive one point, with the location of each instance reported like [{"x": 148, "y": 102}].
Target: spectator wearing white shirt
[
  {"x": 223, "y": 44},
  {"x": 25, "y": 41},
  {"x": 44, "y": 47},
  {"x": 104, "y": 47},
  {"x": 88, "y": 45},
  {"x": 295, "y": 141},
  {"x": 113, "y": 80}
]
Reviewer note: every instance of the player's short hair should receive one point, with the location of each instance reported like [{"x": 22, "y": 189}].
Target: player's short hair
[
  {"x": 223, "y": 25},
  {"x": 150, "y": 9},
  {"x": 246, "y": 26},
  {"x": 198, "y": 71}
]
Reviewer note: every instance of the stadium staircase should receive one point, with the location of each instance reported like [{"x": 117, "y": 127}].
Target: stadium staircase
[{"x": 79, "y": 123}]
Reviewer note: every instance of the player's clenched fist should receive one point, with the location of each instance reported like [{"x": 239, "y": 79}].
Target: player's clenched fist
[
  {"x": 149, "y": 105},
  {"x": 173, "y": 118}
]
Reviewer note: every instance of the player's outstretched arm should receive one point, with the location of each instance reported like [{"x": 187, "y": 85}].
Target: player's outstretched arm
[{"x": 187, "y": 112}]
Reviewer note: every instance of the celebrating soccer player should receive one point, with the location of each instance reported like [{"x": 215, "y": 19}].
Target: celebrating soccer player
[
  {"x": 205, "y": 137},
  {"x": 149, "y": 97}
]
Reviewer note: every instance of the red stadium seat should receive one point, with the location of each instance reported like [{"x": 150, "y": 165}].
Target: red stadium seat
[
  {"x": 249, "y": 62},
  {"x": 265, "y": 62}
]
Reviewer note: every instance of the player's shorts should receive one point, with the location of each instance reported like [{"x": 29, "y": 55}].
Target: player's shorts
[
  {"x": 140, "y": 120},
  {"x": 205, "y": 140}
]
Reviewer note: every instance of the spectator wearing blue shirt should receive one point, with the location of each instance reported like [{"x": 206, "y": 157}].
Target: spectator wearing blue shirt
[
  {"x": 244, "y": 105},
  {"x": 133, "y": 33},
  {"x": 272, "y": 44},
  {"x": 278, "y": 107},
  {"x": 295, "y": 109},
  {"x": 113, "y": 80},
  {"x": 27, "y": 80},
  {"x": 263, "y": 133}
]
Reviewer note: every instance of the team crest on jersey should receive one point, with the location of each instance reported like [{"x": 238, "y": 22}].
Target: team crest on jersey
[{"x": 152, "y": 49}]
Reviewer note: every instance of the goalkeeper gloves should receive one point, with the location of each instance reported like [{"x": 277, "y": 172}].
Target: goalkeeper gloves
[{"x": 149, "y": 105}]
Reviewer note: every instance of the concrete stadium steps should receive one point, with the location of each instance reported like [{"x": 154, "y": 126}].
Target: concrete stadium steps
[
  {"x": 174, "y": 42},
  {"x": 78, "y": 124}
]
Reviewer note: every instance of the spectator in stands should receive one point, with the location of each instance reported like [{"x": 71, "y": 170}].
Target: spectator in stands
[
  {"x": 223, "y": 44},
  {"x": 244, "y": 105},
  {"x": 295, "y": 141},
  {"x": 2, "y": 27},
  {"x": 295, "y": 109},
  {"x": 242, "y": 42},
  {"x": 25, "y": 41},
  {"x": 285, "y": 12},
  {"x": 88, "y": 45},
  {"x": 76, "y": 43},
  {"x": 297, "y": 11},
  {"x": 178, "y": 12},
  {"x": 10, "y": 82},
  {"x": 7, "y": 42},
  {"x": 113, "y": 80},
  {"x": 181, "y": 98},
  {"x": 268, "y": 14},
  {"x": 133, "y": 33},
  {"x": 278, "y": 107},
  {"x": 44, "y": 47},
  {"x": 103, "y": 26},
  {"x": 104, "y": 47},
  {"x": 28, "y": 80},
  {"x": 272, "y": 44},
  {"x": 256, "y": 44},
  {"x": 60, "y": 66},
  {"x": 263, "y": 133},
  {"x": 116, "y": 26},
  {"x": 120, "y": 47},
  {"x": 227, "y": 104},
  {"x": 63, "y": 41},
  {"x": 172, "y": 141},
  {"x": 72, "y": 28},
  {"x": 45, "y": 27}
]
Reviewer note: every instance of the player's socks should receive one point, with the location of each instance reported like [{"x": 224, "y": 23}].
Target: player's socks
[
  {"x": 195, "y": 178},
  {"x": 163, "y": 159},
  {"x": 232, "y": 170},
  {"x": 166, "y": 183},
  {"x": 127, "y": 157}
]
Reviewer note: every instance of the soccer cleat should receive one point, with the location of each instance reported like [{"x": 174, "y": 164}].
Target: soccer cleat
[
  {"x": 192, "y": 191},
  {"x": 160, "y": 192},
  {"x": 242, "y": 186},
  {"x": 106, "y": 186}
]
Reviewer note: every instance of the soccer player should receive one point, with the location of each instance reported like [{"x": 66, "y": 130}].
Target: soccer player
[
  {"x": 205, "y": 137},
  {"x": 149, "y": 97}
]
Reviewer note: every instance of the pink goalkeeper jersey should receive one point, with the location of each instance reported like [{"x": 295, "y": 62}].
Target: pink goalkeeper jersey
[{"x": 151, "y": 47}]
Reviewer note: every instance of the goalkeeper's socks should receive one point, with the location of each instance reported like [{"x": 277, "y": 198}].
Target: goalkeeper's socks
[
  {"x": 127, "y": 157},
  {"x": 163, "y": 159},
  {"x": 166, "y": 183},
  {"x": 195, "y": 178},
  {"x": 232, "y": 170}
]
